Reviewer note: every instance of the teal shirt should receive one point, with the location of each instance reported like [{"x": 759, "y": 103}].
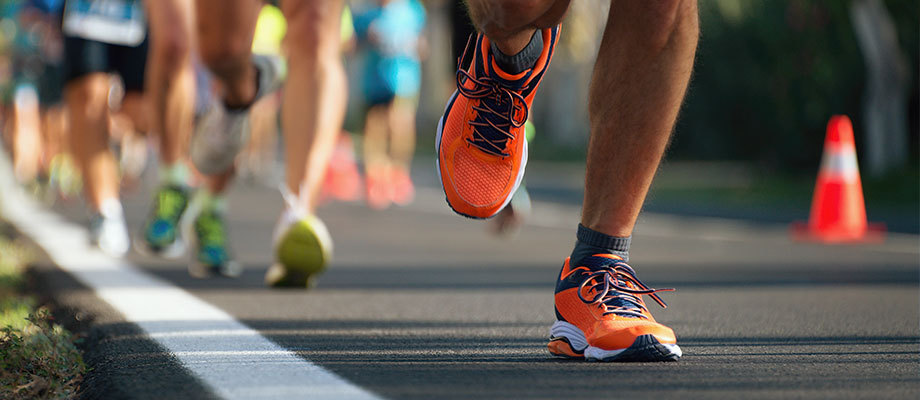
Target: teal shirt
[{"x": 392, "y": 34}]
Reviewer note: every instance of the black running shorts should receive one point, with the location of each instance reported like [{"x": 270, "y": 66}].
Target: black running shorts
[{"x": 83, "y": 57}]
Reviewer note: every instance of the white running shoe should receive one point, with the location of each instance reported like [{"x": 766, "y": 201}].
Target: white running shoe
[
  {"x": 221, "y": 133},
  {"x": 108, "y": 232}
]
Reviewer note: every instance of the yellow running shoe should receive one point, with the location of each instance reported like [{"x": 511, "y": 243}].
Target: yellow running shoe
[{"x": 303, "y": 249}]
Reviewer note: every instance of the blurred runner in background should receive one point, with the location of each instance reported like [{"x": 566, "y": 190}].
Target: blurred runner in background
[
  {"x": 312, "y": 112},
  {"x": 391, "y": 34},
  {"x": 343, "y": 181},
  {"x": 178, "y": 213},
  {"x": 260, "y": 155},
  {"x": 35, "y": 118},
  {"x": 102, "y": 37},
  {"x": 244, "y": 85}
]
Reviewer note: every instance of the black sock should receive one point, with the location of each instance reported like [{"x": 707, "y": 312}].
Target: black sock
[
  {"x": 591, "y": 242},
  {"x": 524, "y": 59},
  {"x": 242, "y": 108}
]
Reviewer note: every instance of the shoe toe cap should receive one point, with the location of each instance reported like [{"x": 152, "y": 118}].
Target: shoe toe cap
[
  {"x": 480, "y": 184},
  {"x": 621, "y": 333}
]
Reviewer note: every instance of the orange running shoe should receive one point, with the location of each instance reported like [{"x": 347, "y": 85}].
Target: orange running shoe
[
  {"x": 601, "y": 316},
  {"x": 378, "y": 192},
  {"x": 343, "y": 181},
  {"x": 402, "y": 190},
  {"x": 481, "y": 146}
]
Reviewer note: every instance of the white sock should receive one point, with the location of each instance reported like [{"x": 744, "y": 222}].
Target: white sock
[
  {"x": 174, "y": 174},
  {"x": 111, "y": 208}
]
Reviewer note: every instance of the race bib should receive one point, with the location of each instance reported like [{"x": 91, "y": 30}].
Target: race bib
[{"x": 120, "y": 22}]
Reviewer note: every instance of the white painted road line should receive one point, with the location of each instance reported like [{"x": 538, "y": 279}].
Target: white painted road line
[{"x": 235, "y": 361}]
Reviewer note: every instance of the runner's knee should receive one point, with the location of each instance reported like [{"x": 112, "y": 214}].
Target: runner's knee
[
  {"x": 87, "y": 92},
  {"x": 497, "y": 19},
  {"x": 172, "y": 47},
  {"x": 659, "y": 20},
  {"x": 227, "y": 55},
  {"x": 313, "y": 30}
]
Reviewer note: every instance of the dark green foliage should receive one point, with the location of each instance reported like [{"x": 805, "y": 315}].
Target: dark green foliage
[
  {"x": 770, "y": 74},
  {"x": 38, "y": 359}
]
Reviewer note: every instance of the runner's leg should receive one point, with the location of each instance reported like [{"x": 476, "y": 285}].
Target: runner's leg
[
  {"x": 402, "y": 132},
  {"x": 313, "y": 107},
  {"x": 311, "y": 118},
  {"x": 87, "y": 99},
  {"x": 170, "y": 82},
  {"x": 225, "y": 31},
  {"x": 170, "y": 78},
  {"x": 402, "y": 147},
  {"x": 376, "y": 160},
  {"x": 27, "y": 141},
  {"x": 639, "y": 81},
  {"x": 87, "y": 102},
  {"x": 641, "y": 73}
]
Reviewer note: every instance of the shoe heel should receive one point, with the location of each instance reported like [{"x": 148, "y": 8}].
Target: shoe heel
[
  {"x": 566, "y": 340},
  {"x": 560, "y": 347},
  {"x": 302, "y": 254},
  {"x": 280, "y": 276}
]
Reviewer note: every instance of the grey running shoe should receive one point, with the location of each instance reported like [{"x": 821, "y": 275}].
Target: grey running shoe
[{"x": 221, "y": 133}]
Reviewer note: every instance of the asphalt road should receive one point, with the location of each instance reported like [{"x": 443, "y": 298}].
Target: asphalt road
[{"x": 421, "y": 304}]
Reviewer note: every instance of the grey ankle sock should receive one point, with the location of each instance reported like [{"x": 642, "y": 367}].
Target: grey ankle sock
[
  {"x": 524, "y": 59},
  {"x": 591, "y": 242}
]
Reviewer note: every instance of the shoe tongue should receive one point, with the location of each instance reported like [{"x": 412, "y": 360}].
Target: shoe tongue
[
  {"x": 504, "y": 79},
  {"x": 596, "y": 262},
  {"x": 622, "y": 302},
  {"x": 494, "y": 140}
]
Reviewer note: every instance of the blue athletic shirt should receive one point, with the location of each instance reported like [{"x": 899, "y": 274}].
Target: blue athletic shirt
[{"x": 392, "y": 34}]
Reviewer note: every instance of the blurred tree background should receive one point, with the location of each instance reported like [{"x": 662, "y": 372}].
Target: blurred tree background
[{"x": 769, "y": 74}]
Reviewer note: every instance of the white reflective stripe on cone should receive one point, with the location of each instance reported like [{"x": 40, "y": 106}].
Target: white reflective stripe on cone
[{"x": 840, "y": 163}]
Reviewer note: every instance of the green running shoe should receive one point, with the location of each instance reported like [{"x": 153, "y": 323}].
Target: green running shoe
[
  {"x": 161, "y": 235},
  {"x": 212, "y": 254},
  {"x": 303, "y": 249}
]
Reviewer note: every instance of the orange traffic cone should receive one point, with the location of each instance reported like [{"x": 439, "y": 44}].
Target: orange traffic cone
[{"x": 838, "y": 210}]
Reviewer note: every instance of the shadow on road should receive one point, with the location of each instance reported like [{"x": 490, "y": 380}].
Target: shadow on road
[{"x": 525, "y": 276}]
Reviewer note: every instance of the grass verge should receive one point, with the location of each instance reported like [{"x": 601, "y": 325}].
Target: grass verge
[{"x": 38, "y": 358}]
